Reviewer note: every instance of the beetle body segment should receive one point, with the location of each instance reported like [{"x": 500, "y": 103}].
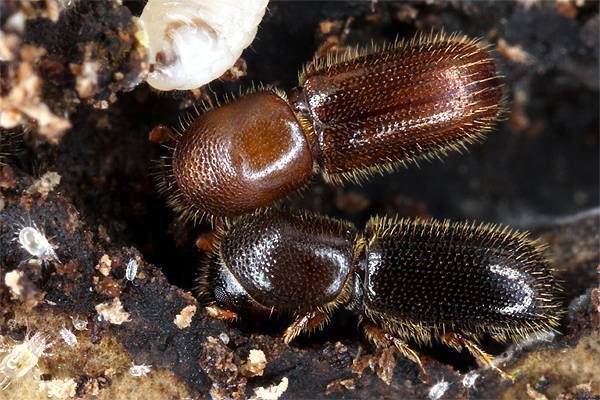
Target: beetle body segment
[
  {"x": 241, "y": 156},
  {"x": 373, "y": 110},
  {"x": 423, "y": 277},
  {"x": 283, "y": 263}
]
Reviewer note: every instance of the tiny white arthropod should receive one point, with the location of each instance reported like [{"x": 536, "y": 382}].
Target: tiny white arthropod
[
  {"x": 192, "y": 42},
  {"x": 79, "y": 323},
  {"x": 22, "y": 358},
  {"x": 69, "y": 338},
  {"x": 131, "y": 269},
  {"x": 437, "y": 391},
  {"x": 139, "y": 370},
  {"x": 469, "y": 379},
  {"x": 36, "y": 243}
]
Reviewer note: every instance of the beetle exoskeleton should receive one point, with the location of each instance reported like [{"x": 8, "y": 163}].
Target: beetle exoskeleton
[
  {"x": 410, "y": 280},
  {"x": 465, "y": 277},
  {"x": 290, "y": 262},
  {"x": 372, "y": 110},
  {"x": 363, "y": 113},
  {"x": 241, "y": 156}
]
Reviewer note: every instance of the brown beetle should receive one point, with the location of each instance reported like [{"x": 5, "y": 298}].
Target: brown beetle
[
  {"x": 411, "y": 280},
  {"x": 366, "y": 112}
]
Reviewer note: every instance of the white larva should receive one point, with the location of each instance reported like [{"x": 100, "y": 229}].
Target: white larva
[{"x": 192, "y": 42}]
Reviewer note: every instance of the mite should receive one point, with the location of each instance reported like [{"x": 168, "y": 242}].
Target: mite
[
  {"x": 409, "y": 280},
  {"x": 363, "y": 113}
]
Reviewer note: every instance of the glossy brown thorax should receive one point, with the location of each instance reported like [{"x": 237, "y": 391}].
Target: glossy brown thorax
[
  {"x": 284, "y": 262},
  {"x": 242, "y": 156},
  {"x": 402, "y": 104}
]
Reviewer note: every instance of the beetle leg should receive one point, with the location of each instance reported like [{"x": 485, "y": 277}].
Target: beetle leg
[
  {"x": 458, "y": 341},
  {"x": 383, "y": 339},
  {"x": 217, "y": 312},
  {"x": 206, "y": 241},
  {"x": 162, "y": 134},
  {"x": 307, "y": 321}
]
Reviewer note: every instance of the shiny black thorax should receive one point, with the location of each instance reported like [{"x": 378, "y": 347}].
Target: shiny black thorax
[{"x": 283, "y": 263}]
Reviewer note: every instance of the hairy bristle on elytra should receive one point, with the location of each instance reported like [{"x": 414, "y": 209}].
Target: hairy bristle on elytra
[
  {"x": 467, "y": 277},
  {"x": 380, "y": 108}
]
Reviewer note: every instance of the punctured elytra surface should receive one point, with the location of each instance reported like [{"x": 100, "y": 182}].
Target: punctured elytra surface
[
  {"x": 375, "y": 109},
  {"x": 424, "y": 277}
]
